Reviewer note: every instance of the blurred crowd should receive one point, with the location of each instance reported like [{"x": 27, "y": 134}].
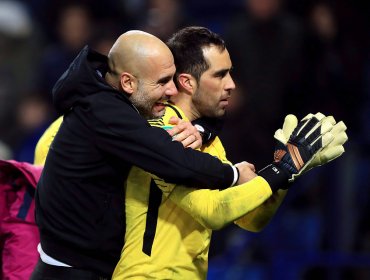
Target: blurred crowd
[{"x": 288, "y": 57}]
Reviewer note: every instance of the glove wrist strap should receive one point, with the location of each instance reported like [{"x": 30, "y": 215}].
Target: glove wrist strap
[{"x": 276, "y": 177}]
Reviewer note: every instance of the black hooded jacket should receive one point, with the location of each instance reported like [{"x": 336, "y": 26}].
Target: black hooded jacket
[{"x": 80, "y": 196}]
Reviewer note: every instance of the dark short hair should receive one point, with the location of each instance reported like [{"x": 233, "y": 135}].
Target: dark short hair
[{"x": 187, "y": 48}]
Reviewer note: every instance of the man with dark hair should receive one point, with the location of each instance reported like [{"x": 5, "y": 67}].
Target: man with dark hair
[{"x": 169, "y": 227}]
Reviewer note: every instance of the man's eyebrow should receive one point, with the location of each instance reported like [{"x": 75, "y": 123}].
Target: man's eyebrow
[
  {"x": 164, "y": 80},
  {"x": 221, "y": 72}
]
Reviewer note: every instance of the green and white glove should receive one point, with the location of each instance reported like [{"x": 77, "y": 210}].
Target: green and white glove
[
  {"x": 334, "y": 149},
  {"x": 299, "y": 146}
]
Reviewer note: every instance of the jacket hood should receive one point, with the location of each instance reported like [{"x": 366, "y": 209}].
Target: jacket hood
[{"x": 84, "y": 77}]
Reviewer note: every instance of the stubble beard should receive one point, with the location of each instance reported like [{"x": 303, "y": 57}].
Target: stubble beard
[
  {"x": 143, "y": 104},
  {"x": 204, "y": 109}
]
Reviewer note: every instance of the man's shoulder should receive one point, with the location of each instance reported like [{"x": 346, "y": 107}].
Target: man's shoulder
[
  {"x": 171, "y": 111},
  {"x": 43, "y": 145},
  {"x": 108, "y": 98},
  {"x": 215, "y": 148},
  {"x": 108, "y": 105}
]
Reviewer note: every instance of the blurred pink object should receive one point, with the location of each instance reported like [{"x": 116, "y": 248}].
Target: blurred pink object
[{"x": 19, "y": 235}]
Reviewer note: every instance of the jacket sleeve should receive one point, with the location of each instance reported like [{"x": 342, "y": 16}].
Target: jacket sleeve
[{"x": 121, "y": 131}]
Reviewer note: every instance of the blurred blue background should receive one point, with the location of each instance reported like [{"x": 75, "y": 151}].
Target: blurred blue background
[{"x": 289, "y": 56}]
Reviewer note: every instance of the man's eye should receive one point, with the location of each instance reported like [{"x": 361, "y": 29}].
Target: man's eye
[
  {"x": 165, "y": 81},
  {"x": 221, "y": 74}
]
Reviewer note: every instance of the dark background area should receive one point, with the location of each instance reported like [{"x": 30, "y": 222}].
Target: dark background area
[{"x": 289, "y": 56}]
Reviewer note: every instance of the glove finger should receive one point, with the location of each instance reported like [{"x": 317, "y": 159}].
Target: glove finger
[
  {"x": 339, "y": 139},
  {"x": 327, "y": 138},
  {"x": 318, "y": 116},
  {"x": 339, "y": 127},
  {"x": 305, "y": 126},
  {"x": 314, "y": 135},
  {"x": 310, "y": 125},
  {"x": 290, "y": 123},
  {"x": 340, "y": 136},
  {"x": 309, "y": 116},
  {"x": 321, "y": 142},
  {"x": 327, "y": 124},
  {"x": 331, "y": 153},
  {"x": 279, "y": 135}
]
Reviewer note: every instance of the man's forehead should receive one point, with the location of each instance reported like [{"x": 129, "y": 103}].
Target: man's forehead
[
  {"x": 158, "y": 65},
  {"x": 165, "y": 66},
  {"x": 160, "y": 73},
  {"x": 217, "y": 59}
]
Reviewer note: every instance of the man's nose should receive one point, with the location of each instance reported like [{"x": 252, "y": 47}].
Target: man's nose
[
  {"x": 171, "y": 89},
  {"x": 230, "y": 84}
]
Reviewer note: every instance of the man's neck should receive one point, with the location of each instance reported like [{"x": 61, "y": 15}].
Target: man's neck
[{"x": 184, "y": 102}]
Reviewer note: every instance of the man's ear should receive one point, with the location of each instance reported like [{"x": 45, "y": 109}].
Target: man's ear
[
  {"x": 187, "y": 82},
  {"x": 128, "y": 83}
]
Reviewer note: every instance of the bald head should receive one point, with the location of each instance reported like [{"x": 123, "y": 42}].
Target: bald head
[
  {"x": 142, "y": 67},
  {"x": 134, "y": 51}
]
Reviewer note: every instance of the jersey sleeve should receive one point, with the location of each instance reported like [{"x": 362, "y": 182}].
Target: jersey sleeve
[
  {"x": 214, "y": 208},
  {"x": 259, "y": 217}
]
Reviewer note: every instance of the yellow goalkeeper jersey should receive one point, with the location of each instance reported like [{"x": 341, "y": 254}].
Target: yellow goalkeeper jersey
[
  {"x": 168, "y": 227},
  {"x": 44, "y": 142}
]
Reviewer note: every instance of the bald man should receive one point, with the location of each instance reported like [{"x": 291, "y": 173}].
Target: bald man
[{"x": 80, "y": 198}]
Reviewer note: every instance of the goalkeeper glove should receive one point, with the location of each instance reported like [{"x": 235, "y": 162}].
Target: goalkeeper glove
[
  {"x": 334, "y": 149},
  {"x": 297, "y": 146}
]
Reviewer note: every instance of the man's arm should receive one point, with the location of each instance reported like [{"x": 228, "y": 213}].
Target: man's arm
[
  {"x": 250, "y": 205},
  {"x": 123, "y": 133},
  {"x": 214, "y": 209},
  {"x": 137, "y": 146},
  {"x": 258, "y": 218}
]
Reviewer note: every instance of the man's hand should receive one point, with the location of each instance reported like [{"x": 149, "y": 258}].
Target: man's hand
[
  {"x": 185, "y": 132},
  {"x": 246, "y": 172},
  {"x": 317, "y": 139},
  {"x": 294, "y": 151},
  {"x": 323, "y": 149},
  {"x": 334, "y": 149}
]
